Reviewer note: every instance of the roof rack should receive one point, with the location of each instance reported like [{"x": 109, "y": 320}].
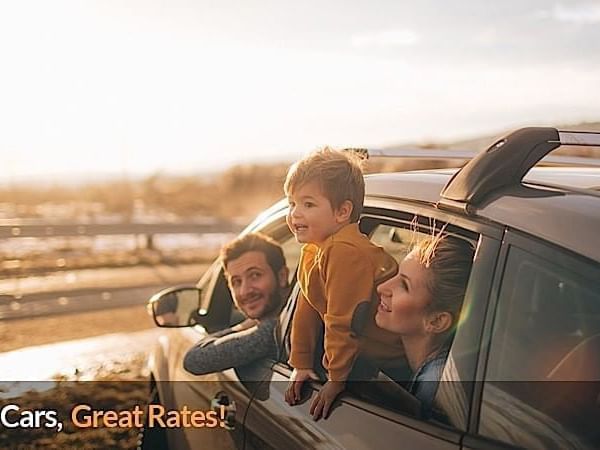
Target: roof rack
[
  {"x": 463, "y": 155},
  {"x": 506, "y": 162}
]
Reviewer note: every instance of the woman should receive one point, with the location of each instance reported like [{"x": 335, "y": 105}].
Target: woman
[{"x": 422, "y": 304}]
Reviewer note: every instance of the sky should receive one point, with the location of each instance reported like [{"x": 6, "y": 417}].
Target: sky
[{"x": 134, "y": 87}]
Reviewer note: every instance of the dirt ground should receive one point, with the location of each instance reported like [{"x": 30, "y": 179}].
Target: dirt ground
[{"x": 15, "y": 334}]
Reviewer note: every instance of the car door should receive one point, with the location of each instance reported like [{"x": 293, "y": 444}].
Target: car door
[
  {"x": 196, "y": 393},
  {"x": 233, "y": 387},
  {"x": 541, "y": 366},
  {"x": 380, "y": 413}
]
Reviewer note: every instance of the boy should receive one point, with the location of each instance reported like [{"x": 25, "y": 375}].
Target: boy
[{"x": 337, "y": 272}]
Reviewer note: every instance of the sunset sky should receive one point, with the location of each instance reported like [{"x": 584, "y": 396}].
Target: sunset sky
[{"x": 138, "y": 86}]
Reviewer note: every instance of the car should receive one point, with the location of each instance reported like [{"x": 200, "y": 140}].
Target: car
[{"x": 524, "y": 366}]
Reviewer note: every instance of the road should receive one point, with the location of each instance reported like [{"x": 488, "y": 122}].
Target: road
[{"x": 89, "y": 290}]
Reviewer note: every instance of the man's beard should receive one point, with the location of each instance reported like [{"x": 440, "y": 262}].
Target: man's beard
[{"x": 275, "y": 302}]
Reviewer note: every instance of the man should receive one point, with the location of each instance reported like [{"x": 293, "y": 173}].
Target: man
[{"x": 257, "y": 276}]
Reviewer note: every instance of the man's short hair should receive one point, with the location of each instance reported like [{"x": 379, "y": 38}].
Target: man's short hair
[
  {"x": 338, "y": 173},
  {"x": 256, "y": 242}
]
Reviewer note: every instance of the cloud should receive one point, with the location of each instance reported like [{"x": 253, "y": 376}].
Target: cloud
[
  {"x": 583, "y": 13},
  {"x": 388, "y": 38}
]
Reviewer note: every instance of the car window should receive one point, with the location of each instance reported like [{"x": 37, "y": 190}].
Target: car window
[
  {"x": 216, "y": 300},
  {"x": 397, "y": 238},
  {"x": 542, "y": 383},
  {"x": 207, "y": 284},
  {"x": 221, "y": 306}
]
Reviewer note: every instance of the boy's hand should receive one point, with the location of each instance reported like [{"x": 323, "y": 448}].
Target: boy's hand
[
  {"x": 294, "y": 390},
  {"x": 321, "y": 404}
]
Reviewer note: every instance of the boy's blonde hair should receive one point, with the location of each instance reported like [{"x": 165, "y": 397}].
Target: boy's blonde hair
[{"x": 338, "y": 173}]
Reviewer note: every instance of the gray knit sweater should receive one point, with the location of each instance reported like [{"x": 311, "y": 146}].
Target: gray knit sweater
[{"x": 226, "y": 349}]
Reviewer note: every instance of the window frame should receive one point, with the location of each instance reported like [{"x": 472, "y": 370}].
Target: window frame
[{"x": 394, "y": 212}]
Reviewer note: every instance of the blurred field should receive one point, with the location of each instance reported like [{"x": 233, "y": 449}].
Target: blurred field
[{"x": 238, "y": 193}]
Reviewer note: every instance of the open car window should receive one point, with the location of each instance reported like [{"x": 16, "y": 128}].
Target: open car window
[{"x": 397, "y": 237}]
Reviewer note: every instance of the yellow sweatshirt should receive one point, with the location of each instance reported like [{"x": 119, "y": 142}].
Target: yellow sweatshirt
[{"x": 335, "y": 277}]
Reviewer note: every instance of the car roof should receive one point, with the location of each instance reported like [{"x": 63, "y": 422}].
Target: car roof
[{"x": 560, "y": 205}]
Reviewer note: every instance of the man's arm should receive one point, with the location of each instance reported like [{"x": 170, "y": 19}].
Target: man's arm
[
  {"x": 244, "y": 325},
  {"x": 211, "y": 338},
  {"x": 233, "y": 350}
]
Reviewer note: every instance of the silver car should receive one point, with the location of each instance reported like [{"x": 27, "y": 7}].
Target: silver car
[{"x": 524, "y": 366}]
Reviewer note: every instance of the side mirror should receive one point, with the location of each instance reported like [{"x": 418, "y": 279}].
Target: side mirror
[{"x": 176, "y": 307}]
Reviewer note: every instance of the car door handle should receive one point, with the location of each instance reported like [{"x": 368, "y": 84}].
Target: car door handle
[{"x": 221, "y": 402}]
